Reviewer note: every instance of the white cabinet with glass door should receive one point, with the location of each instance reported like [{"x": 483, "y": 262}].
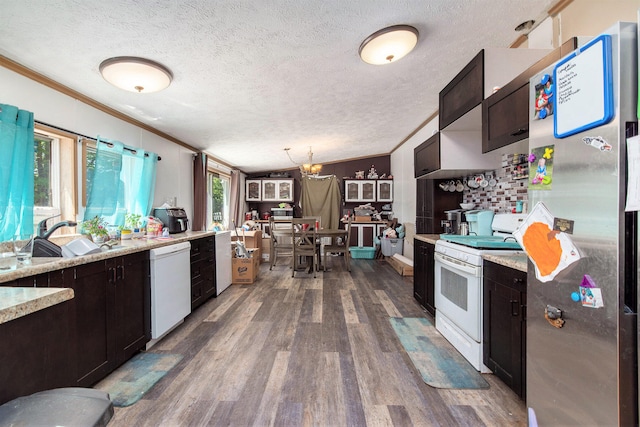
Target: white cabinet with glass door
[
  {"x": 385, "y": 190},
  {"x": 359, "y": 190},
  {"x": 277, "y": 190},
  {"x": 253, "y": 190}
]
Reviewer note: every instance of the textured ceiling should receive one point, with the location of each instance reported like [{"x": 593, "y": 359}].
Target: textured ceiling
[{"x": 254, "y": 77}]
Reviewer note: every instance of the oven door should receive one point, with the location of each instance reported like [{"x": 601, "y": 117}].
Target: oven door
[{"x": 458, "y": 293}]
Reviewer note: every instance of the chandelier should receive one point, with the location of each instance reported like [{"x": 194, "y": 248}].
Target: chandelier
[{"x": 309, "y": 168}]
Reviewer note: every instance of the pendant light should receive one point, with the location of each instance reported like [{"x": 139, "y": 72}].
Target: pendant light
[{"x": 388, "y": 45}]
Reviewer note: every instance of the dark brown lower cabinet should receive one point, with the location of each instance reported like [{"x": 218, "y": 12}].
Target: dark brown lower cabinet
[
  {"x": 113, "y": 314},
  {"x": 423, "y": 275},
  {"x": 38, "y": 352},
  {"x": 203, "y": 270},
  {"x": 504, "y": 325}
]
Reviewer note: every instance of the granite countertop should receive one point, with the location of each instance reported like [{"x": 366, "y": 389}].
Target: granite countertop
[
  {"x": 429, "y": 238},
  {"x": 45, "y": 265},
  {"x": 18, "y": 302},
  {"x": 517, "y": 262}
]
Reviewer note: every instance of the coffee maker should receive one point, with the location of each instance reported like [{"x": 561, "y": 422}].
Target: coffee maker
[{"x": 452, "y": 222}]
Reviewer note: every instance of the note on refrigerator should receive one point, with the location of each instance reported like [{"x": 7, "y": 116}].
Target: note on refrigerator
[{"x": 633, "y": 174}]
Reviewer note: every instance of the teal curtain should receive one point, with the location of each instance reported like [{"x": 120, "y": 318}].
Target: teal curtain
[
  {"x": 123, "y": 181},
  {"x": 16, "y": 172}
]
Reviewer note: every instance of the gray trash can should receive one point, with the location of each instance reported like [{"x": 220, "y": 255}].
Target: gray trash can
[{"x": 390, "y": 246}]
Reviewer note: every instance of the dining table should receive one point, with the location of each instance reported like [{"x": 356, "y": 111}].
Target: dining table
[{"x": 332, "y": 233}]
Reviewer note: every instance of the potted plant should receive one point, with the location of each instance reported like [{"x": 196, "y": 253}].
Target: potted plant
[
  {"x": 97, "y": 228},
  {"x": 131, "y": 225}
]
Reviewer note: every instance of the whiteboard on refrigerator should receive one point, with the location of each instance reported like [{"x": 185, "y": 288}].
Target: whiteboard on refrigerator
[{"x": 583, "y": 83}]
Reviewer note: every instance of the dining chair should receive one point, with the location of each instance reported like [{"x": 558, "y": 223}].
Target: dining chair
[
  {"x": 281, "y": 240},
  {"x": 303, "y": 231},
  {"x": 342, "y": 248}
]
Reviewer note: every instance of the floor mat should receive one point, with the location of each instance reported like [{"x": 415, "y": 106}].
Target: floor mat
[
  {"x": 127, "y": 384},
  {"x": 439, "y": 363}
]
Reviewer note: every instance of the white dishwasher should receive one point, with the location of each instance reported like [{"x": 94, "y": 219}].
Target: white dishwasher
[{"x": 170, "y": 288}]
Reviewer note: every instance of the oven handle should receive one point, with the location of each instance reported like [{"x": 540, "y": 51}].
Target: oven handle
[{"x": 458, "y": 265}]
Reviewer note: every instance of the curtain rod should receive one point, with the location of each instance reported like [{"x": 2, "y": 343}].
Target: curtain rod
[{"x": 85, "y": 136}]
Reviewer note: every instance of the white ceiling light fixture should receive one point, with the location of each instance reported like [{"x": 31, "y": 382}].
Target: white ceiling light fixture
[
  {"x": 136, "y": 74},
  {"x": 388, "y": 45}
]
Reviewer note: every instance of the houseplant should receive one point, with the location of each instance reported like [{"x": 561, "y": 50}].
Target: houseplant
[{"x": 97, "y": 228}]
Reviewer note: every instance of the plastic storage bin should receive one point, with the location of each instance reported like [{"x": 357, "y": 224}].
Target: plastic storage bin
[
  {"x": 366, "y": 252},
  {"x": 391, "y": 246}
]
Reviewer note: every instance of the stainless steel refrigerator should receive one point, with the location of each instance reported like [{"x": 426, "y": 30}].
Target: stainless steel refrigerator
[{"x": 585, "y": 372}]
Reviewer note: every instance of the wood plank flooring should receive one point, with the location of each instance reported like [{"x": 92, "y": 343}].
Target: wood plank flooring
[{"x": 309, "y": 352}]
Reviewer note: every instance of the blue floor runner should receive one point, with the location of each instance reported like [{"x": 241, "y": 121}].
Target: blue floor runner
[
  {"x": 127, "y": 384},
  {"x": 439, "y": 363}
]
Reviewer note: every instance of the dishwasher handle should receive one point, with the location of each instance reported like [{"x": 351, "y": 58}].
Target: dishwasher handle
[{"x": 169, "y": 250}]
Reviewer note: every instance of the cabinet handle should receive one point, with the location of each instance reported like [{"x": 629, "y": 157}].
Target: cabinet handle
[
  {"x": 520, "y": 131},
  {"x": 515, "y": 312},
  {"x": 517, "y": 281},
  {"x": 121, "y": 269},
  {"x": 112, "y": 275}
]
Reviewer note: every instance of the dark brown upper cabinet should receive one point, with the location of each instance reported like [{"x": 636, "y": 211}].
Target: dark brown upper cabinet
[
  {"x": 426, "y": 156},
  {"x": 488, "y": 69},
  {"x": 505, "y": 114}
]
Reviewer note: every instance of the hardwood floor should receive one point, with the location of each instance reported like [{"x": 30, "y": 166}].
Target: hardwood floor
[{"x": 309, "y": 352}]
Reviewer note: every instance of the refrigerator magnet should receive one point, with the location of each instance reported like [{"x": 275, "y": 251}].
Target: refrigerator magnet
[
  {"x": 591, "y": 297},
  {"x": 541, "y": 169},
  {"x": 549, "y": 250}
]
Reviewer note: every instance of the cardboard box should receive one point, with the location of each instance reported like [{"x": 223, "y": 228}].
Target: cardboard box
[
  {"x": 363, "y": 218},
  {"x": 402, "y": 265},
  {"x": 244, "y": 271},
  {"x": 266, "y": 248},
  {"x": 252, "y": 239}
]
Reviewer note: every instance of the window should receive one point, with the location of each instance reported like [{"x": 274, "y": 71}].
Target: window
[
  {"x": 54, "y": 191},
  {"x": 218, "y": 185}
]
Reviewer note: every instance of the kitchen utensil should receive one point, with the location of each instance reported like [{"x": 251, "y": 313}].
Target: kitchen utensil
[
  {"x": 452, "y": 186},
  {"x": 459, "y": 186},
  {"x": 444, "y": 186},
  {"x": 472, "y": 183},
  {"x": 467, "y": 206}
]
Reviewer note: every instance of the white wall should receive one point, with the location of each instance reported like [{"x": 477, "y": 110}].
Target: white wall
[
  {"x": 174, "y": 178},
  {"x": 404, "y": 183}
]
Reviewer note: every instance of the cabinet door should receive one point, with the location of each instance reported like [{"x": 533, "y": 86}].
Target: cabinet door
[
  {"x": 133, "y": 304},
  {"x": 430, "y": 299},
  {"x": 426, "y": 156},
  {"x": 423, "y": 275},
  {"x": 367, "y": 191},
  {"x": 285, "y": 190},
  {"x": 505, "y": 118},
  {"x": 269, "y": 190},
  {"x": 504, "y": 327},
  {"x": 95, "y": 318},
  {"x": 419, "y": 278},
  {"x": 385, "y": 190},
  {"x": 253, "y": 190},
  {"x": 464, "y": 92},
  {"x": 351, "y": 191}
]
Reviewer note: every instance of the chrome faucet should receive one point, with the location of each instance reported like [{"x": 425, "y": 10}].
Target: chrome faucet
[{"x": 45, "y": 233}]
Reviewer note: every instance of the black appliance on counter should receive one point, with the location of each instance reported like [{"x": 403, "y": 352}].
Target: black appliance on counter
[{"x": 175, "y": 219}]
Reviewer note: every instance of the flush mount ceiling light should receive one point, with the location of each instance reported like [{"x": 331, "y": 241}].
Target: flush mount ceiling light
[
  {"x": 136, "y": 74},
  {"x": 526, "y": 25},
  {"x": 388, "y": 45}
]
